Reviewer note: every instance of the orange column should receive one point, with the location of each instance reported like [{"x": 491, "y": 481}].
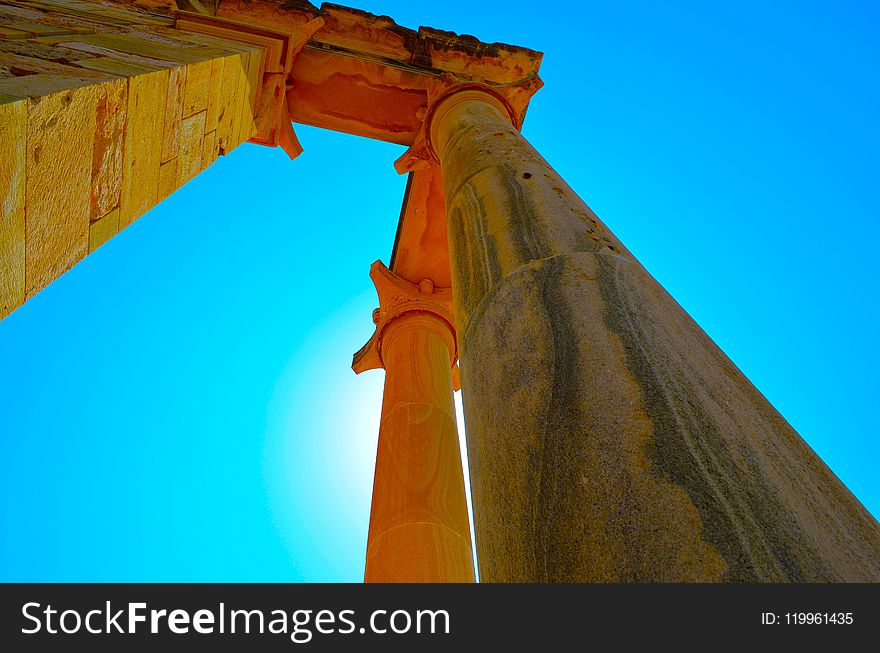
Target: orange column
[{"x": 419, "y": 529}]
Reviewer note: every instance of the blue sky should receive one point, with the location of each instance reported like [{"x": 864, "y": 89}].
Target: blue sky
[{"x": 180, "y": 406}]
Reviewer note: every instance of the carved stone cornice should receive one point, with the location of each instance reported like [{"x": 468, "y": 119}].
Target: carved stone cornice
[{"x": 281, "y": 48}]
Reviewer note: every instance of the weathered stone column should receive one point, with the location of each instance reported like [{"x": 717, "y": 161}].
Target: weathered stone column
[
  {"x": 419, "y": 527},
  {"x": 609, "y": 438}
]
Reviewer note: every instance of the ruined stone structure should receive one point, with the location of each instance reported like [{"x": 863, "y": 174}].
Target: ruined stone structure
[{"x": 609, "y": 438}]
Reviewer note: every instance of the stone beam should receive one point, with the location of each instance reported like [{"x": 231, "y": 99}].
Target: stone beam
[
  {"x": 366, "y": 75},
  {"x": 420, "y": 246}
]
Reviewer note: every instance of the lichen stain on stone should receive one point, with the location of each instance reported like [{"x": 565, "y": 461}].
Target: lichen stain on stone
[
  {"x": 650, "y": 522},
  {"x": 743, "y": 515}
]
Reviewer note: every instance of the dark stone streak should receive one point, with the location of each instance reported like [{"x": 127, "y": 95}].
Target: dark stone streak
[
  {"x": 527, "y": 239},
  {"x": 759, "y": 497},
  {"x": 670, "y": 456},
  {"x": 554, "y": 542},
  {"x": 476, "y": 259}
]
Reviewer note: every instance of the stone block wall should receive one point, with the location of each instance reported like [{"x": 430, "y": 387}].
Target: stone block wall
[{"x": 104, "y": 111}]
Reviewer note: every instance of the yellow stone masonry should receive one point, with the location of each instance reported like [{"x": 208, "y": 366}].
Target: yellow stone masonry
[
  {"x": 104, "y": 112},
  {"x": 13, "y": 130}
]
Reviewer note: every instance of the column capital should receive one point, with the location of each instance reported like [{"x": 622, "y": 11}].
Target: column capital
[
  {"x": 400, "y": 299},
  {"x": 511, "y": 99}
]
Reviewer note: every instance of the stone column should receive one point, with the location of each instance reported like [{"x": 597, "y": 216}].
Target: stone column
[
  {"x": 419, "y": 527},
  {"x": 609, "y": 438}
]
